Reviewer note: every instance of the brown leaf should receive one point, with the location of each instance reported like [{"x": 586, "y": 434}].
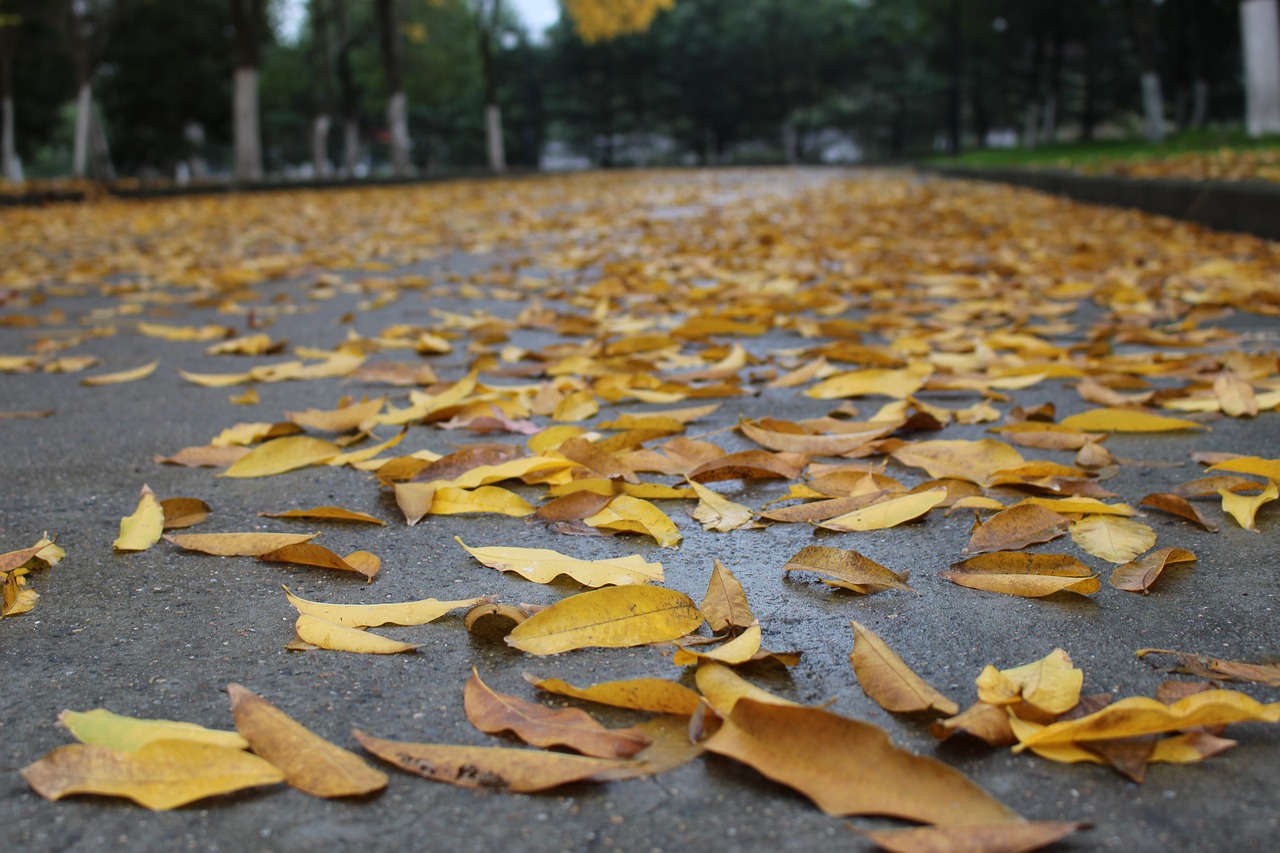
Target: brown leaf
[
  {"x": 574, "y": 506},
  {"x": 1027, "y": 575},
  {"x": 824, "y": 510},
  {"x": 318, "y": 556},
  {"x": 204, "y": 457},
  {"x": 492, "y": 712},
  {"x": 310, "y": 763},
  {"x": 1016, "y": 527},
  {"x": 493, "y": 768},
  {"x": 998, "y": 838},
  {"x": 1179, "y": 506},
  {"x": 748, "y": 464},
  {"x": 452, "y": 466},
  {"x": 601, "y": 462},
  {"x": 1140, "y": 574},
  {"x": 326, "y": 513},
  {"x": 640, "y": 694},
  {"x": 180, "y": 513},
  {"x": 888, "y": 680},
  {"x": 725, "y": 605},
  {"x": 988, "y": 723},
  {"x": 238, "y": 544},
  {"x": 849, "y": 767},
  {"x": 1220, "y": 669},
  {"x": 850, "y": 569}
]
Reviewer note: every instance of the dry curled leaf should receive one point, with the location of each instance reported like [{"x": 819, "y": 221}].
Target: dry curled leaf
[
  {"x": 543, "y": 565},
  {"x": 1138, "y": 575},
  {"x": 1220, "y": 669},
  {"x": 639, "y": 694},
  {"x": 888, "y": 680},
  {"x": 1016, "y": 527},
  {"x": 143, "y": 528},
  {"x": 616, "y": 616},
  {"x": 847, "y": 568}
]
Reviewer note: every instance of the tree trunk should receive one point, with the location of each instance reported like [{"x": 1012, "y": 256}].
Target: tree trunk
[
  {"x": 99, "y": 153},
  {"x": 10, "y": 169},
  {"x": 1200, "y": 103},
  {"x": 80, "y": 145},
  {"x": 397, "y": 104},
  {"x": 954, "y": 99},
  {"x": 493, "y": 135},
  {"x": 1031, "y": 115},
  {"x": 790, "y": 141},
  {"x": 1141, "y": 14},
  {"x": 248, "y": 137},
  {"x": 347, "y": 91},
  {"x": 1152, "y": 107},
  {"x": 320, "y": 146},
  {"x": 486, "y": 22},
  {"x": 1260, "y": 28},
  {"x": 246, "y": 18},
  {"x": 350, "y": 147}
]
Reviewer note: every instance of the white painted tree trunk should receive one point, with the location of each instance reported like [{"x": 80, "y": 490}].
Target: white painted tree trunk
[
  {"x": 1152, "y": 107},
  {"x": 493, "y": 133},
  {"x": 350, "y": 148},
  {"x": 320, "y": 146},
  {"x": 99, "y": 152},
  {"x": 790, "y": 142},
  {"x": 1049, "y": 121},
  {"x": 247, "y": 137},
  {"x": 80, "y": 149},
  {"x": 10, "y": 168},
  {"x": 398, "y": 127},
  {"x": 1260, "y": 29}
]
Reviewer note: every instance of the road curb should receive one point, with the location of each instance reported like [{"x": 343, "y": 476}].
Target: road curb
[{"x": 1250, "y": 207}]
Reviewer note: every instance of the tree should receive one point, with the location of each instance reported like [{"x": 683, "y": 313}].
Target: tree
[
  {"x": 322, "y": 68},
  {"x": 1142, "y": 14},
  {"x": 1260, "y": 29},
  {"x": 487, "y": 16},
  {"x": 247, "y": 25},
  {"x": 9, "y": 168},
  {"x": 84, "y": 25},
  {"x": 397, "y": 104},
  {"x": 605, "y": 20}
]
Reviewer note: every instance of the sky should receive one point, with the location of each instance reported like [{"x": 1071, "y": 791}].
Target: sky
[{"x": 536, "y": 14}]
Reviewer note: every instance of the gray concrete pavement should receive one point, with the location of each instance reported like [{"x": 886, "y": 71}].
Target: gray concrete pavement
[{"x": 160, "y": 633}]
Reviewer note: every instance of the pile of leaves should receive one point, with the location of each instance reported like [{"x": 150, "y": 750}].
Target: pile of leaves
[{"x": 916, "y": 315}]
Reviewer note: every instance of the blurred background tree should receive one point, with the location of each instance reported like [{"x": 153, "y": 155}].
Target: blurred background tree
[{"x": 391, "y": 87}]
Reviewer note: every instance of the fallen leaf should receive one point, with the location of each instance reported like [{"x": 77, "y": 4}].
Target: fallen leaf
[
  {"x": 1051, "y": 684},
  {"x": 161, "y": 775},
  {"x": 638, "y": 694},
  {"x": 1235, "y": 395},
  {"x": 492, "y": 619},
  {"x": 237, "y": 544},
  {"x": 1256, "y": 465},
  {"x": 599, "y": 461},
  {"x": 1126, "y": 420},
  {"x": 181, "y": 513},
  {"x": 740, "y": 649},
  {"x": 542, "y": 565},
  {"x": 888, "y": 680},
  {"x": 326, "y": 513},
  {"x": 1016, "y": 527},
  {"x": 1218, "y": 668},
  {"x": 723, "y": 687},
  {"x": 849, "y": 569},
  {"x": 1138, "y": 716},
  {"x": 1179, "y": 506},
  {"x": 1139, "y": 575},
  {"x": 281, "y": 455},
  {"x": 1244, "y": 508},
  {"x": 310, "y": 763},
  {"x": 996, "y": 838},
  {"x": 1026, "y": 575},
  {"x": 448, "y": 500},
  {"x": 874, "y": 381},
  {"x": 493, "y": 768},
  {"x": 635, "y": 515},
  {"x": 211, "y": 456},
  {"x": 317, "y": 556},
  {"x": 338, "y": 420},
  {"x": 988, "y": 723},
  {"x": 103, "y": 728},
  {"x": 849, "y": 767},
  {"x": 887, "y": 513},
  {"x": 122, "y": 376},
  {"x": 537, "y": 725},
  {"x": 725, "y": 604},
  {"x": 1116, "y": 540},
  {"x": 716, "y": 512},
  {"x": 323, "y": 634},
  {"x": 372, "y": 615},
  {"x": 814, "y": 445},
  {"x": 975, "y": 461},
  {"x": 143, "y": 528},
  {"x": 614, "y": 617}
]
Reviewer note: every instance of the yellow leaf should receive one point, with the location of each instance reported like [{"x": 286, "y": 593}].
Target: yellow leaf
[
  {"x": 1244, "y": 508},
  {"x": 856, "y": 383},
  {"x": 180, "y": 513},
  {"x": 140, "y": 531},
  {"x": 1139, "y": 575},
  {"x": 1051, "y": 684},
  {"x": 183, "y": 333},
  {"x": 1256, "y": 465},
  {"x": 1084, "y": 506},
  {"x": 1138, "y": 716},
  {"x": 725, "y": 604},
  {"x": 723, "y": 687},
  {"x": 848, "y": 767},
  {"x": 372, "y": 615},
  {"x": 1016, "y": 527},
  {"x": 122, "y": 376},
  {"x": 1000, "y": 838},
  {"x": 889, "y": 513},
  {"x": 1027, "y": 575},
  {"x": 488, "y": 767},
  {"x": 740, "y": 649},
  {"x": 975, "y": 461},
  {"x": 1116, "y": 540},
  {"x": 320, "y": 557},
  {"x": 281, "y": 455},
  {"x": 575, "y": 407},
  {"x": 103, "y": 728},
  {"x": 1235, "y": 395},
  {"x": 162, "y": 775},
  {"x": 237, "y": 544},
  {"x": 635, "y": 515},
  {"x": 614, "y": 617},
  {"x": 542, "y": 565},
  {"x": 340, "y": 638},
  {"x": 338, "y": 420},
  {"x": 448, "y": 500},
  {"x": 1125, "y": 420},
  {"x": 638, "y": 694},
  {"x": 716, "y": 512},
  {"x": 310, "y": 763},
  {"x": 326, "y": 513},
  {"x": 888, "y": 680}
]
